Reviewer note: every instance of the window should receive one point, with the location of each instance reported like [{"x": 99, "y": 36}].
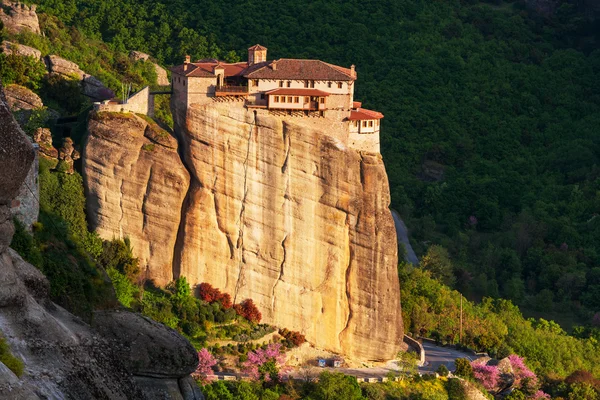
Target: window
[
  {"x": 296, "y": 99},
  {"x": 339, "y": 85},
  {"x": 364, "y": 124},
  {"x": 306, "y": 84},
  {"x": 322, "y": 100},
  {"x": 306, "y": 99},
  {"x": 370, "y": 124},
  {"x": 289, "y": 99},
  {"x": 328, "y": 84},
  {"x": 255, "y": 82},
  {"x": 262, "y": 96},
  {"x": 312, "y": 84},
  {"x": 184, "y": 83},
  {"x": 276, "y": 99},
  {"x": 280, "y": 83},
  {"x": 289, "y": 83}
]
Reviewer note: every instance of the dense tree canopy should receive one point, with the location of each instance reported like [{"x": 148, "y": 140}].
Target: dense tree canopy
[{"x": 503, "y": 104}]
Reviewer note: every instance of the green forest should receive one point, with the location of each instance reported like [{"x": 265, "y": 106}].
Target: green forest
[
  {"x": 490, "y": 139},
  {"x": 501, "y": 104}
]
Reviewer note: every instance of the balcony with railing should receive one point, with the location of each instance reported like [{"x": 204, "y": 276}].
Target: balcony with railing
[{"x": 231, "y": 90}]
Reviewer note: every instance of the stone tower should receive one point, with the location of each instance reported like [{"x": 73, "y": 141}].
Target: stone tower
[{"x": 257, "y": 54}]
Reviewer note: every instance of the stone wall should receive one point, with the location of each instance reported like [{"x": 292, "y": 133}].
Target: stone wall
[
  {"x": 417, "y": 347},
  {"x": 141, "y": 102},
  {"x": 25, "y": 207},
  {"x": 368, "y": 142}
]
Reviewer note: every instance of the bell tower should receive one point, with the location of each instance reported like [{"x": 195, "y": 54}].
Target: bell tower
[{"x": 257, "y": 54}]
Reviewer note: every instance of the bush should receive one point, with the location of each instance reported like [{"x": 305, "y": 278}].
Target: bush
[
  {"x": 293, "y": 339},
  {"x": 210, "y": 294},
  {"x": 336, "y": 386},
  {"x": 117, "y": 254},
  {"x": 248, "y": 310},
  {"x": 455, "y": 390},
  {"x": 7, "y": 358},
  {"x": 442, "y": 370},
  {"x": 24, "y": 71},
  {"x": 463, "y": 368}
]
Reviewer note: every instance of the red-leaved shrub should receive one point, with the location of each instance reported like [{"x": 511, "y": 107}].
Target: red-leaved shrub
[
  {"x": 210, "y": 294},
  {"x": 248, "y": 310},
  {"x": 292, "y": 336}
]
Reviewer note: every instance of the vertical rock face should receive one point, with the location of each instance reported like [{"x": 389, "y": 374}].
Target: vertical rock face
[
  {"x": 291, "y": 218},
  {"x": 135, "y": 184},
  {"x": 261, "y": 207}
]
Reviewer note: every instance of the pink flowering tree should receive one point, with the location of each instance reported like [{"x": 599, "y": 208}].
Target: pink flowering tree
[
  {"x": 539, "y": 395},
  {"x": 525, "y": 378},
  {"x": 266, "y": 364},
  {"x": 487, "y": 375},
  {"x": 204, "y": 372}
]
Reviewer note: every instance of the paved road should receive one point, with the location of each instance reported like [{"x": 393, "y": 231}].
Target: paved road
[
  {"x": 402, "y": 234},
  {"x": 437, "y": 355}
]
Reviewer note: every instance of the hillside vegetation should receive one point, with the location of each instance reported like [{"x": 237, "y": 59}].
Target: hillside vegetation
[{"x": 503, "y": 103}]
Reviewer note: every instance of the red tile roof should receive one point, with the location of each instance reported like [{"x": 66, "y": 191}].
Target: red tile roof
[
  {"x": 356, "y": 104},
  {"x": 362, "y": 114},
  {"x": 297, "y": 92},
  {"x": 257, "y": 47},
  {"x": 204, "y": 68},
  {"x": 287, "y": 68}
]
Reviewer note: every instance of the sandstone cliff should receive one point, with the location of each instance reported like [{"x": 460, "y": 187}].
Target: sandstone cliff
[
  {"x": 135, "y": 185},
  {"x": 275, "y": 211}
]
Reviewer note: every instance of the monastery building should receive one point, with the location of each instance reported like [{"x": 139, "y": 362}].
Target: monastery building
[{"x": 319, "y": 92}]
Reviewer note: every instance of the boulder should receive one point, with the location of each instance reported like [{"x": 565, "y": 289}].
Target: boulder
[
  {"x": 93, "y": 88},
  {"x": 65, "y": 68},
  {"x": 68, "y": 154},
  {"x": 43, "y": 137},
  {"x": 138, "y": 55},
  {"x": 18, "y": 17},
  {"x": 20, "y": 49},
  {"x": 148, "y": 348},
  {"x": 22, "y": 102},
  {"x": 21, "y": 98},
  {"x": 162, "y": 78}
]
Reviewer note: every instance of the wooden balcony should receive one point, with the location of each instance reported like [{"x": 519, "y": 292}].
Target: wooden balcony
[{"x": 221, "y": 91}]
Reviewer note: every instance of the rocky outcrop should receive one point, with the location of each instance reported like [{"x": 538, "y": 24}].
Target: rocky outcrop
[
  {"x": 286, "y": 215},
  {"x": 20, "y": 98},
  {"x": 19, "y": 49},
  {"x": 135, "y": 185},
  {"x": 161, "y": 74},
  {"x": 22, "y": 102},
  {"x": 91, "y": 86},
  {"x": 63, "y": 356},
  {"x": 276, "y": 211},
  {"x": 68, "y": 155},
  {"x": 18, "y": 17},
  {"x": 158, "y": 357},
  {"x": 43, "y": 137}
]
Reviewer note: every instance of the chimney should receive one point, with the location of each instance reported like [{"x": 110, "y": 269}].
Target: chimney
[
  {"x": 274, "y": 65},
  {"x": 186, "y": 62},
  {"x": 353, "y": 71}
]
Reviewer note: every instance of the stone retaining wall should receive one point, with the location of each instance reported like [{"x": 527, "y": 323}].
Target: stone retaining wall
[{"x": 418, "y": 347}]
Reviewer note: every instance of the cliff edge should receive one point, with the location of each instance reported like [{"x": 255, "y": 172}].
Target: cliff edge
[{"x": 276, "y": 211}]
